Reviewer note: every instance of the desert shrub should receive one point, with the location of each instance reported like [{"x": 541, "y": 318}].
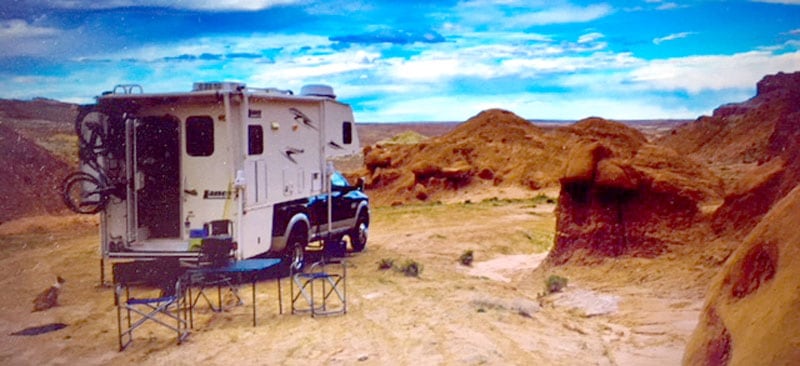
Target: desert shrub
[
  {"x": 555, "y": 283},
  {"x": 466, "y": 258},
  {"x": 411, "y": 268},
  {"x": 541, "y": 197},
  {"x": 385, "y": 263}
]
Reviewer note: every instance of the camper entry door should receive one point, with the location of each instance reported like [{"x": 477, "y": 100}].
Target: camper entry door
[{"x": 154, "y": 203}]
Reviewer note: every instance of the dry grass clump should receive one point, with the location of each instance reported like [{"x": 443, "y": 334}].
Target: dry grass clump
[
  {"x": 410, "y": 267},
  {"x": 555, "y": 283},
  {"x": 466, "y": 258}
]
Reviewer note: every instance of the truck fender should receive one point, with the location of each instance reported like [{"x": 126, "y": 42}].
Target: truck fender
[
  {"x": 363, "y": 206},
  {"x": 279, "y": 242}
]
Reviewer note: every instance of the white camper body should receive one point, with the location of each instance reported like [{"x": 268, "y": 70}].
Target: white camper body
[{"x": 223, "y": 158}]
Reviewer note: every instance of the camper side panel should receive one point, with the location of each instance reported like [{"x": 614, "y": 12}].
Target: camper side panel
[
  {"x": 341, "y": 137},
  {"x": 282, "y": 163}
]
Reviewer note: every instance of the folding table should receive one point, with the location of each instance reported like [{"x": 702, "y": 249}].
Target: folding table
[{"x": 229, "y": 275}]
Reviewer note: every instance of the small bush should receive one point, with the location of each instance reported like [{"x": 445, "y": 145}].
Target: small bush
[
  {"x": 385, "y": 263},
  {"x": 541, "y": 197},
  {"x": 466, "y": 258},
  {"x": 411, "y": 268},
  {"x": 555, "y": 283}
]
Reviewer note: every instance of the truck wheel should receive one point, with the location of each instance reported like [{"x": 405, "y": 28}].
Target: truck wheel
[
  {"x": 358, "y": 235},
  {"x": 295, "y": 250}
]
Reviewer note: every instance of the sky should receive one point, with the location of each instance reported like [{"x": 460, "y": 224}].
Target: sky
[{"x": 407, "y": 61}]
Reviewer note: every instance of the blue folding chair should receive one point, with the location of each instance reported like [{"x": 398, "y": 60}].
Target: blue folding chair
[
  {"x": 322, "y": 285},
  {"x": 149, "y": 291}
]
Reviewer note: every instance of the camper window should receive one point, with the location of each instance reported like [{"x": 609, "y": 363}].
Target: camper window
[
  {"x": 347, "y": 132},
  {"x": 199, "y": 136},
  {"x": 255, "y": 140}
]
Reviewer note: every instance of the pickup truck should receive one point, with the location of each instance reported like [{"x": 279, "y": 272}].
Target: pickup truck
[{"x": 299, "y": 222}]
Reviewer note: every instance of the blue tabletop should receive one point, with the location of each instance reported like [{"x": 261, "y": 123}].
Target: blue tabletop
[{"x": 242, "y": 266}]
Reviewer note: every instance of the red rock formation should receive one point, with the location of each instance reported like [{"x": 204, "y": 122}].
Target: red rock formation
[
  {"x": 623, "y": 196},
  {"x": 494, "y": 148},
  {"x": 754, "y": 146},
  {"x": 751, "y": 312}
]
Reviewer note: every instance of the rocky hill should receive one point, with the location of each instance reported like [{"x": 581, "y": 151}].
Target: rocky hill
[
  {"x": 30, "y": 177},
  {"x": 39, "y": 150},
  {"x": 753, "y": 146},
  {"x": 753, "y": 300},
  {"x": 491, "y": 151}
]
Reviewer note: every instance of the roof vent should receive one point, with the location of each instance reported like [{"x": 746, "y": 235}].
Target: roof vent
[
  {"x": 218, "y": 85},
  {"x": 318, "y": 90}
]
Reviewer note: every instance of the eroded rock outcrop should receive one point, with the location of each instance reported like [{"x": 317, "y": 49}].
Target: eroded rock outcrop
[
  {"x": 623, "y": 196},
  {"x": 750, "y": 316}
]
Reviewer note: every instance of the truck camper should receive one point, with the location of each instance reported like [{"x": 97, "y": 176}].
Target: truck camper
[{"x": 167, "y": 170}]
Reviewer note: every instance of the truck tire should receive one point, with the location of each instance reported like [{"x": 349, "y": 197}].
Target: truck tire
[
  {"x": 294, "y": 254},
  {"x": 358, "y": 235}
]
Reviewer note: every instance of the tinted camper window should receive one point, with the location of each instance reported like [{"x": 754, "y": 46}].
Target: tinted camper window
[
  {"x": 200, "y": 136},
  {"x": 347, "y": 133},
  {"x": 255, "y": 140}
]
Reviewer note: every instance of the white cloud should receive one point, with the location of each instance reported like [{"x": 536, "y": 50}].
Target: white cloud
[
  {"x": 318, "y": 68},
  {"x": 560, "y": 15},
  {"x": 18, "y": 29},
  {"x": 699, "y": 73},
  {"x": 20, "y": 38},
  {"x": 672, "y": 37},
  {"x": 527, "y": 105},
  {"x": 785, "y": 2},
  {"x": 668, "y": 6},
  {"x": 287, "y": 44},
  {"x": 213, "y": 5},
  {"x": 524, "y": 14},
  {"x": 590, "y": 37}
]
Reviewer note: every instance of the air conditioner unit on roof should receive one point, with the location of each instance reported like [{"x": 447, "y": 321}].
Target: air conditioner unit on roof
[{"x": 318, "y": 90}]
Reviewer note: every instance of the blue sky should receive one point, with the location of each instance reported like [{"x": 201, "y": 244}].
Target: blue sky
[{"x": 399, "y": 61}]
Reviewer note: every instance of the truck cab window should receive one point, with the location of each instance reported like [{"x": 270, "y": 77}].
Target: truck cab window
[
  {"x": 255, "y": 140},
  {"x": 338, "y": 181},
  {"x": 199, "y": 136}
]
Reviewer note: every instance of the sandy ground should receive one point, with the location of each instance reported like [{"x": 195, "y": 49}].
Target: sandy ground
[{"x": 487, "y": 313}]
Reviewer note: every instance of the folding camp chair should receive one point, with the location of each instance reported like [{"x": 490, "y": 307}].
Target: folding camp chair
[
  {"x": 149, "y": 291},
  {"x": 323, "y": 285},
  {"x": 215, "y": 252}
]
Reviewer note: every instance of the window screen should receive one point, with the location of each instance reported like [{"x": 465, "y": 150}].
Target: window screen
[
  {"x": 255, "y": 140},
  {"x": 199, "y": 136},
  {"x": 347, "y": 132}
]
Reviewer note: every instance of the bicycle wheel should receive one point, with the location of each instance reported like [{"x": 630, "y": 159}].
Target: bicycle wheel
[
  {"x": 92, "y": 129},
  {"x": 84, "y": 194}
]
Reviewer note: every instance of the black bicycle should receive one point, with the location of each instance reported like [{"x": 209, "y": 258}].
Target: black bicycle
[{"x": 89, "y": 190}]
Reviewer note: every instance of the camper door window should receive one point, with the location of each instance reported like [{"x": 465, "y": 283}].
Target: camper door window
[
  {"x": 199, "y": 136},
  {"x": 255, "y": 140}
]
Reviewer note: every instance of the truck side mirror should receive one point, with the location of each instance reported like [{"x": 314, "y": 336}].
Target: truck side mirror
[{"x": 360, "y": 184}]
